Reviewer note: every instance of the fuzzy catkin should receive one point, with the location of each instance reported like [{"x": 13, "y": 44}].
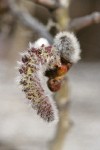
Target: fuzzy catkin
[
  {"x": 39, "y": 58},
  {"x": 68, "y": 45},
  {"x": 32, "y": 61}
]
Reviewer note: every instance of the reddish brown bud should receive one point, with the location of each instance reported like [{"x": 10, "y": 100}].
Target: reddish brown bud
[
  {"x": 54, "y": 85},
  {"x": 62, "y": 70}
]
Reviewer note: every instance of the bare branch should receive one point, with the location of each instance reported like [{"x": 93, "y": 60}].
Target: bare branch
[
  {"x": 82, "y": 22},
  {"x": 50, "y": 4},
  {"x": 29, "y": 20}
]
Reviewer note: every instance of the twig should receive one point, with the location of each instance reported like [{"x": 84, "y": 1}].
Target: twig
[
  {"x": 48, "y": 3},
  {"x": 82, "y": 22},
  {"x": 29, "y": 21}
]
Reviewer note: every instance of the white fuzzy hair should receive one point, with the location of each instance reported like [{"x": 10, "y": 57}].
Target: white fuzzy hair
[
  {"x": 38, "y": 43},
  {"x": 69, "y": 46}
]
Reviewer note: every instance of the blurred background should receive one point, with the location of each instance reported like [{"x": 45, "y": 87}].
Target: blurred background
[{"x": 24, "y": 21}]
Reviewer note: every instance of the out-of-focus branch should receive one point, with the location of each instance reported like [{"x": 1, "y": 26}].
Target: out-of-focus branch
[
  {"x": 50, "y": 4},
  {"x": 29, "y": 20},
  {"x": 3, "y": 6},
  {"x": 82, "y": 22}
]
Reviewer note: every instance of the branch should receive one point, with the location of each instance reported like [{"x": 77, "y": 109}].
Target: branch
[
  {"x": 48, "y": 3},
  {"x": 29, "y": 21},
  {"x": 82, "y": 22}
]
